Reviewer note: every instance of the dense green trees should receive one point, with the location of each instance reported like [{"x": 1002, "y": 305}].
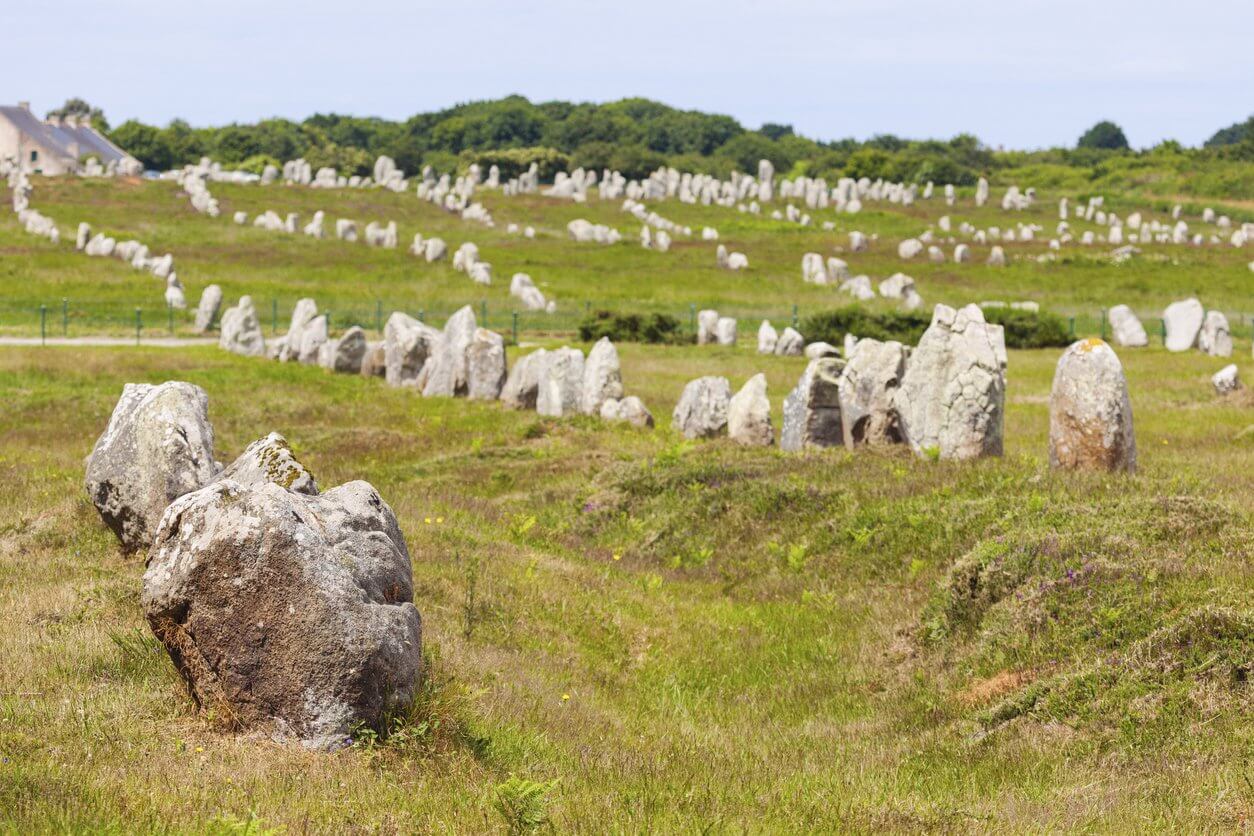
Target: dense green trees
[
  {"x": 1106, "y": 135},
  {"x": 636, "y": 135}
]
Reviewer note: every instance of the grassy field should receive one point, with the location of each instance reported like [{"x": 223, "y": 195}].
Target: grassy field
[
  {"x": 360, "y": 285},
  {"x": 630, "y": 632}
]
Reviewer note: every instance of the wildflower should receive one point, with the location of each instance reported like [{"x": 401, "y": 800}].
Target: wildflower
[
  {"x": 427, "y": 521},
  {"x": 618, "y": 557},
  {"x": 565, "y": 697},
  {"x": 439, "y": 519}
]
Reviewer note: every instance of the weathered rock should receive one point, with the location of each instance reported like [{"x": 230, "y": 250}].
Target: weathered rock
[
  {"x": 630, "y": 409},
  {"x": 749, "y": 415},
  {"x": 1126, "y": 328},
  {"x": 287, "y": 613},
  {"x": 305, "y": 312},
  {"x": 868, "y": 384},
  {"x": 207, "y": 310},
  {"x": 812, "y": 408},
  {"x": 522, "y": 385},
  {"x": 445, "y": 372},
  {"x": 702, "y": 408},
  {"x": 951, "y": 402},
  {"x": 602, "y": 377},
  {"x": 561, "y": 381},
  {"x": 725, "y": 330},
  {"x": 1226, "y": 380},
  {"x": 374, "y": 363},
  {"x": 345, "y": 355},
  {"x": 407, "y": 345},
  {"x": 1214, "y": 338},
  {"x": 240, "y": 331},
  {"x": 485, "y": 365},
  {"x": 270, "y": 459},
  {"x": 157, "y": 447},
  {"x": 707, "y": 327},
  {"x": 767, "y": 338},
  {"x": 1183, "y": 322},
  {"x": 312, "y": 338},
  {"x": 790, "y": 343},
  {"x": 1090, "y": 415},
  {"x": 819, "y": 349}
]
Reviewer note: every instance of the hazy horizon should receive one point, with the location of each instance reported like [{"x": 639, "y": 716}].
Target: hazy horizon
[{"x": 1032, "y": 76}]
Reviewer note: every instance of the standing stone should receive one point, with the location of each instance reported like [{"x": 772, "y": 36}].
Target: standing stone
[
  {"x": 868, "y": 384},
  {"x": 241, "y": 330},
  {"x": 1214, "y": 338},
  {"x": 630, "y": 409},
  {"x": 84, "y": 235},
  {"x": 407, "y": 345},
  {"x": 157, "y": 447},
  {"x": 812, "y": 408},
  {"x": 287, "y": 613},
  {"x": 270, "y": 459},
  {"x": 1226, "y": 380},
  {"x": 707, "y": 327},
  {"x": 312, "y": 337},
  {"x": 790, "y": 343},
  {"x": 725, "y": 330},
  {"x": 207, "y": 310},
  {"x": 749, "y": 415},
  {"x": 602, "y": 377},
  {"x": 374, "y": 363},
  {"x": 305, "y": 312},
  {"x": 951, "y": 402},
  {"x": 522, "y": 385},
  {"x": 702, "y": 408},
  {"x": 445, "y": 372},
  {"x": 485, "y": 365},
  {"x": 1126, "y": 328},
  {"x": 1183, "y": 321},
  {"x": 1090, "y": 415},
  {"x": 767, "y": 338},
  {"x": 561, "y": 379},
  {"x": 345, "y": 355}
]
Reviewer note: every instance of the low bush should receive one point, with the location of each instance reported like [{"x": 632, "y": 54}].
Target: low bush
[
  {"x": 632, "y": 328},
  {"x": 1024, "y": 329}
]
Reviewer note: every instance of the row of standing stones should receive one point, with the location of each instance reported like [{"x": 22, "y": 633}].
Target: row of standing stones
[{"x": 290, "y": 611}]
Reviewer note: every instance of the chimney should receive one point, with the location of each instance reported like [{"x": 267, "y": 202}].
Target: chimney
[{"x": 24, "y": 106}]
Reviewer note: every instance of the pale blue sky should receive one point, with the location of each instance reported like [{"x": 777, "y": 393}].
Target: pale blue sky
[{"x": 1019, "y": 73}]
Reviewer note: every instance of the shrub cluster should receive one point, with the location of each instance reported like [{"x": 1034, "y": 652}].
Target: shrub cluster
[
  {"x": 632, "y": 328},
  {"x": 1024, "y": 329}
]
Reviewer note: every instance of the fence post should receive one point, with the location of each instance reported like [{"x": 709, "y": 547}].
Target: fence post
[
  {"x": 139, "y": 324},
  {"x": 170, "y": 311},
  {"x": 378, "y": 314},
  {"x": 515, "y": 327},
  {"x": 43, "y": 324},
  {"x": 1103, "y": 323},
  {"x": 422, "y": 312},
  {"x": 692, "y": 317},
  {"x": 65, "y": 317},
  {"x": 794, "y": 316},
  {"x": 1073, "y": 327},
  {"x": 274, "y": 316},
  {"x": 1162, "y": 330},
  {"x": 483, "y": 311}
]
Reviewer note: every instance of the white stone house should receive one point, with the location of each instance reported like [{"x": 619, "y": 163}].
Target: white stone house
[{"x": 56, "y": 146}]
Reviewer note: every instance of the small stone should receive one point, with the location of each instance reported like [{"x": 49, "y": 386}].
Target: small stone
[{"x": 702, "y": 408}]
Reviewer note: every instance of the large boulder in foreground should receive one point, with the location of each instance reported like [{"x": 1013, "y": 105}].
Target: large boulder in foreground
[
  {"x": 1183, "y": 322},
  {"x": 812, "y": 408},
  {"x": 270, "y": 459},
  {"x": 1090, "y": 415},
  {"x": 702, "y": 408},
  {"x": 868, "y": 384},
  {"x": 157, "y": 447},
  {"x": 286, "y": 613},
  {"x": 951, "y": 402}
]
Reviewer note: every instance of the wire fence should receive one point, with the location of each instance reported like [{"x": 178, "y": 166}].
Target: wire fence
[{"x": 67, "y": 318}]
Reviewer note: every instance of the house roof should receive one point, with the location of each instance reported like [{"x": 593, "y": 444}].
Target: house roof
[{"x": 73, "y": 142}]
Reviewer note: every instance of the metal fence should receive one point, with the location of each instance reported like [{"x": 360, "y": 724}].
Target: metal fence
[{"x": 82, "y": 318}]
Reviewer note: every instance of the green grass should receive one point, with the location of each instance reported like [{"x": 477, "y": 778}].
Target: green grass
[
  {"x": 359, "y": 285},
  {"x": 629, "y": 632}
]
